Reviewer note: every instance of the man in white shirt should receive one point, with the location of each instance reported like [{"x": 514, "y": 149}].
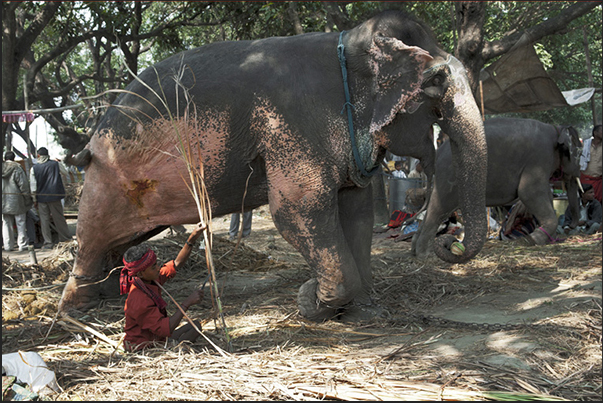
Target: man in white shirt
[
  {"x": 398, "y": 172},
  {"x": 590, "y": 161}
]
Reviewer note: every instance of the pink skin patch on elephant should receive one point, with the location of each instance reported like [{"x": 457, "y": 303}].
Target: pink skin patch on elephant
[
  {"x": 309, "y": 185},
  {"x": 149, "y": 167},
  {"x": 279, "y": 144}
]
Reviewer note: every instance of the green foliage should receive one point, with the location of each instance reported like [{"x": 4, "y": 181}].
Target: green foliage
[
  {"x": 200, "y": 23},
  {"x": 562, "y": 55}
]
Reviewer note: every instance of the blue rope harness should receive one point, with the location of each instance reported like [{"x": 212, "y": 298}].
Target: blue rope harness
[{"x": 348, "y": 105}]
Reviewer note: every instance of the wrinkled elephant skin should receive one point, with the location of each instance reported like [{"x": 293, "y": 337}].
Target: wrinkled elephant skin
[
  {"x": 522, "y": 155},
  {"x": 270, "y": 110}
]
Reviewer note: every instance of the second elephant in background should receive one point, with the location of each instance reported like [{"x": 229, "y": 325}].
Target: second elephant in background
[{"x": 522, "y": 156}]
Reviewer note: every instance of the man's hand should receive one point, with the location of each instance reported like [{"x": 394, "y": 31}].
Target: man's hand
[
  {"x": 197, "y": 232},
  {"x": 193, "y": 299}
]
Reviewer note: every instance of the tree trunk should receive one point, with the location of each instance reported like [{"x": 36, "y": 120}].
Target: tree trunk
[
  {"x": 471, "y": 16},
  {"x": 589, "y": 71},
  {"x": 294, "y": 17}
]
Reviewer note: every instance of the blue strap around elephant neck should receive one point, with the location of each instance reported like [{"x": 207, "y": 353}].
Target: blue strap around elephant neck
[{"x": 348, "y": 105}]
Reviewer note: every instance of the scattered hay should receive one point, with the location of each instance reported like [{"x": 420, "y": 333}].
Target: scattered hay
[
  {"x": 277, "y": 355},
  {"x": 73, "y": 194}
]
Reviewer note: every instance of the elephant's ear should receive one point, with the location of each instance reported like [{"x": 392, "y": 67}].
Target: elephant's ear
[
  {"x": 398, "y": 71},
  {"x": 569, "y": 141}
]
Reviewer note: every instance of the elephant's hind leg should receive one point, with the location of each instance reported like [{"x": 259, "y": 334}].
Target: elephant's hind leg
[{"x": 539, "y": 201}]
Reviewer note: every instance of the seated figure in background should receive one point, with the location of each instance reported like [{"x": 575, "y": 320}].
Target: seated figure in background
[
  {"x": 590, "y": 214},
  {"x": 518, "y": 223}
]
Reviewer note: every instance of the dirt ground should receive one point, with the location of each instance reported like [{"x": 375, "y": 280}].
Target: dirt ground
[{"x": 517, "y": 322}]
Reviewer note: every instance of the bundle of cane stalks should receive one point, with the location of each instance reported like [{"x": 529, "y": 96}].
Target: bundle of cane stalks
[{"x": 185, "y": 126}]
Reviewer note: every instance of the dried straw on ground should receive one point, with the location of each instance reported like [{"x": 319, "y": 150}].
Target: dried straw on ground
[{"x": 277, "y": 355}]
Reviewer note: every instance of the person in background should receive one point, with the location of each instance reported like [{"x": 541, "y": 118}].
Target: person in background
[
  {"x": 518, "y": 223},
  {"x": 590, "y": 214},
  {"x": 399, "y": 171},
  {"x": 415, "y": 196},
  {"x": 32, "y": 223},
  {"x": 590, "y": 162},
  {"x": 48, "y": 190},
  {"x": 418, "y": 173},
  {"x": 235, "y": 219},
  {"x": 147, "y": 320},
  {"x": 16, "y": 201}
]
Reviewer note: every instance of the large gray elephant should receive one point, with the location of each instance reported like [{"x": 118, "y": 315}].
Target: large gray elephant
[
  {"x": 522, "y": 155},
  {"x": 276, "y": 108}
]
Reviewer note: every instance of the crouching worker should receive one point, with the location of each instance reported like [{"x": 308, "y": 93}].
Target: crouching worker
[{"x": 147, "y": 320}]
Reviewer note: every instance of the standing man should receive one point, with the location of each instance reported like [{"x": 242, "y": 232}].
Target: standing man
[
  {"x": 234, "y": 224},
  {"x": 48, "y": 191},
  {"x": 16, "y": 201},
  {"x": 590, "y": 161}
]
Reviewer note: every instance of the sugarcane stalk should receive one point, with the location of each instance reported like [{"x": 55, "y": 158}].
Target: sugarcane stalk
[{"x": 197, "y": 186}]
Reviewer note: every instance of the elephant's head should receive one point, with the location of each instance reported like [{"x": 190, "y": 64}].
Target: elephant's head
[
  {"x": 569, "y": 149},
  {"x": 417, "y": 84}
]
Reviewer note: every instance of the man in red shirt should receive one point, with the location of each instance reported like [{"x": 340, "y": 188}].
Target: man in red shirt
[{"x": 146, "y": 316}]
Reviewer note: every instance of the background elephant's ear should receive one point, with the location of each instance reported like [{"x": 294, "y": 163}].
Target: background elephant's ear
[
  {"x": 567, "y": 139},
  {"x": 571, "y": 146},
  {"x": 398, "y": 72}
]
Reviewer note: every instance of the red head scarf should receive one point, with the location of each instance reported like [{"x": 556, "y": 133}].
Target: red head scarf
[{"x": 131, "y": 268}]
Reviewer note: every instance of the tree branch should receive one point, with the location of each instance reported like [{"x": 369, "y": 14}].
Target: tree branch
[
  {"x": 537, "y": 32},
  {"x": 40, "y": 21}
]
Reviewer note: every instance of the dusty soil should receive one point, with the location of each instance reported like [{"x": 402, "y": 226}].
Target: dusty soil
[{"x": 517, "y": 321}]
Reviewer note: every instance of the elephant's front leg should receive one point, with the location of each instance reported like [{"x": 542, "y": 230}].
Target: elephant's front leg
[
  {"x": 357, "y": 218},
  {"x": 310, "y": 221}
]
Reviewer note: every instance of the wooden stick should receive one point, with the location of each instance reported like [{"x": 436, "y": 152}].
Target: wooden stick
[
  {"x": 218, "y": 349},
  {"x": 87, "y": 328}
]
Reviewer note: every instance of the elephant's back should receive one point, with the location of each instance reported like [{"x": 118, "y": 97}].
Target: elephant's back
[
  {"x": 252, "y": 65},
  {"x": 515, "y": 129},
  {"x": 231, "y": 75}
]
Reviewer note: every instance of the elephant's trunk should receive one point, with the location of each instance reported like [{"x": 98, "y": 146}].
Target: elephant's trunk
[{"x": 470, "y": 159}]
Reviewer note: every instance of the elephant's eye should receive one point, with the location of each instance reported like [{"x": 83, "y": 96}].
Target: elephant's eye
[{"x": 437, "y": 81}]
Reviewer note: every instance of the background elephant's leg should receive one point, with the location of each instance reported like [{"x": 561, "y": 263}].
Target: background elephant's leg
[
  {"x": 538, "y": 200},
  {"x": 439, "y": 208}
]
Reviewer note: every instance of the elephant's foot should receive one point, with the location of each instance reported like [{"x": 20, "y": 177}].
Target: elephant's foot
[
  {"x": 359, "y": 312},
  {"x": 78, "y": 296},
  {"x": 310, "y": 306},
  {"x": 525, "y": 241},
  {"x": 539, "y": 237}
]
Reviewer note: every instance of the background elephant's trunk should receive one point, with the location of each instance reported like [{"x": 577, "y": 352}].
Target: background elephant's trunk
[
  {"x": 470, "y": 160},
  {"x": 429, "y": 171},
  {"x": 573, "y": 199}
]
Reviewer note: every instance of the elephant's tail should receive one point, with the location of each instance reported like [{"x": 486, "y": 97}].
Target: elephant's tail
[{"x": 81, "y": 159}]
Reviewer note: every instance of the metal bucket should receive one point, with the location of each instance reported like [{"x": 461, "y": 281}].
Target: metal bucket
[{"x": 397, "y": 193}]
